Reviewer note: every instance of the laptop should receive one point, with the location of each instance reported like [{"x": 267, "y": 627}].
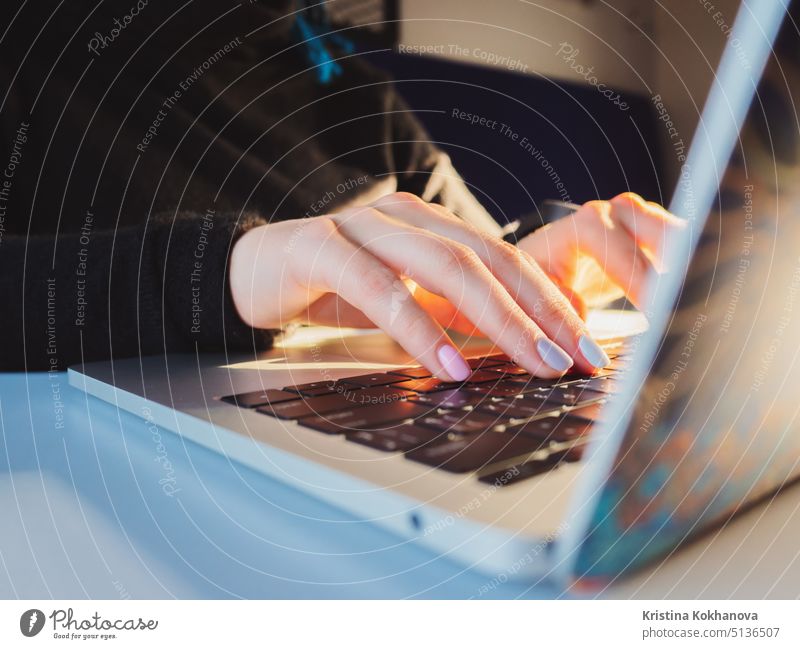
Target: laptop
[{"x": 579, "y": 480}]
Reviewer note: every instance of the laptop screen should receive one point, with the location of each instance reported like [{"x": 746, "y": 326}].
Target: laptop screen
[{"x": 716, "y": 424}]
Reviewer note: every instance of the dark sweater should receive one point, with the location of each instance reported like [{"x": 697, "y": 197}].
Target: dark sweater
[{"x": 129, "y": 169}]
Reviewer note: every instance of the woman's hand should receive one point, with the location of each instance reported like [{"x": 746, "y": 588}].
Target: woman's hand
[
  {"x": 625, "y": 237},
  {"x": 359, "y": 267}
]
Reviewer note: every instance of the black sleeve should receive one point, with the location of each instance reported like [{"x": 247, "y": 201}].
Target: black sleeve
[{"x": 159, "y": 287}]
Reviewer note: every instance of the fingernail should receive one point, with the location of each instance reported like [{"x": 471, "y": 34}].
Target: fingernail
[
  {"x": 592, "y": 352},
  {"x": 553, "y": 355},
  {"x": 453, "y": 363}
]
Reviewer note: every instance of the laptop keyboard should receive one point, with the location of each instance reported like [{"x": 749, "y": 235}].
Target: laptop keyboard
[{"x": 501, "y": 424}]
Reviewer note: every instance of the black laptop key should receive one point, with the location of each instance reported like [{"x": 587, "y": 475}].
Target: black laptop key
[
  {"x": 376, "y": 440},
  {"x": 371, "y": 380},
  {"x": 426, "y": 385},
  {"x": 462, "y": 453},
  {"x": 311, "y": 406},
  {"x": 554, "y": 429},
  {"x": 499, "y": 358},
  {"x": 459, "y": 421},
  {"x": 590, "y": 413},
  {"x": 401, "y": 437},
  {"x": 305, "y": 406},
  {"x": 516, "y": 408},
  {"x": 313, "y": 389},
  {"x": 533, "y": 467},
  {"x": 483, "y": 376},
  {"x": 450, "y": 399},
  {"x": 600, "y": 373},
  {"x": 484, "y": 362},
  {"x": 310, "y": 388},
  {"x": 545, "y": 397},
  {"x": 572, "y": 395},
  {"x": 478, "y": 377},
  {"x": 412, "y": 373},
  {"x": 374, "y": 396},
  {"x": 373, "y": 418},
  {"x": 509, "y": 370},
  {"x": 503, "y": 389},
  {"x": 534, "y": 383},
  {"x": 260, "y": 398},
  {"x": 573, "y": 454}
]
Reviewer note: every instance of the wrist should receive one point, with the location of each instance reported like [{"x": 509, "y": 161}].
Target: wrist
[{"x": 242, "y": 271}]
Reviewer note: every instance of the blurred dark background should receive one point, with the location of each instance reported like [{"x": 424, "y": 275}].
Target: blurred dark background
[
  {"x": 584, "y": 140},
  {"x": 597, "y": 149}
]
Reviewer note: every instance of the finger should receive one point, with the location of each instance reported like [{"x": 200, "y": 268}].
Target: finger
[
  {"x": 576, "y": 301},
  {"x": 519, "y": 274},
  {"x": 331, "y": 263},
  {"x": 593, "y": 232},
  {"x": 649, "y": 224},
  {"x": 445, "y": 313},
  {"x": 455, "y": 272},
  {"x": 332, "y": 310}
]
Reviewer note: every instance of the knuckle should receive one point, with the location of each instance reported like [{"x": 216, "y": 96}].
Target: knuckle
[
  {"x": 415, "y": 325},
  {"x": 358, "y": 214},
  {"x": 406, "y": 196},
  {"x": 375, "y": 285},
  {"x": 321, "y": 227},
  {"x": 450, "y": 215},
  {"x": 458, "y": 259},
  {"x": 595, "y": 208},
  {"x": 628, "y": 199},
  {"x": 533, "y": 262},
  {"x": 594, "y": 214},
  {"x": 509, "y": 253},
  {"x": 396, "y": 199},
  {"x": 550, "y": 309}
]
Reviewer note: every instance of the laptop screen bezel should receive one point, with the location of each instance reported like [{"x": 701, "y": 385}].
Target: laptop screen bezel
[{"x": 731, "y": 93}]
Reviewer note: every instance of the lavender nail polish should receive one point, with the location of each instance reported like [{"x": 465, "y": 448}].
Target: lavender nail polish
[
  {"x": 592, "y": 352},
  {"x": 553, "y": 355}
]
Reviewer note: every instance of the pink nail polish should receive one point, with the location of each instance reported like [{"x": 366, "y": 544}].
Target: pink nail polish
[{"x": 453, "y": 363}]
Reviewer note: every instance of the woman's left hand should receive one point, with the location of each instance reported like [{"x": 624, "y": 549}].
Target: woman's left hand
[{"x": 625, "y": 237}]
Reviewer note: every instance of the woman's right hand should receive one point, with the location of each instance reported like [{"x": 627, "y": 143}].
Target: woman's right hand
[{"x": 357, "y": 267}]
